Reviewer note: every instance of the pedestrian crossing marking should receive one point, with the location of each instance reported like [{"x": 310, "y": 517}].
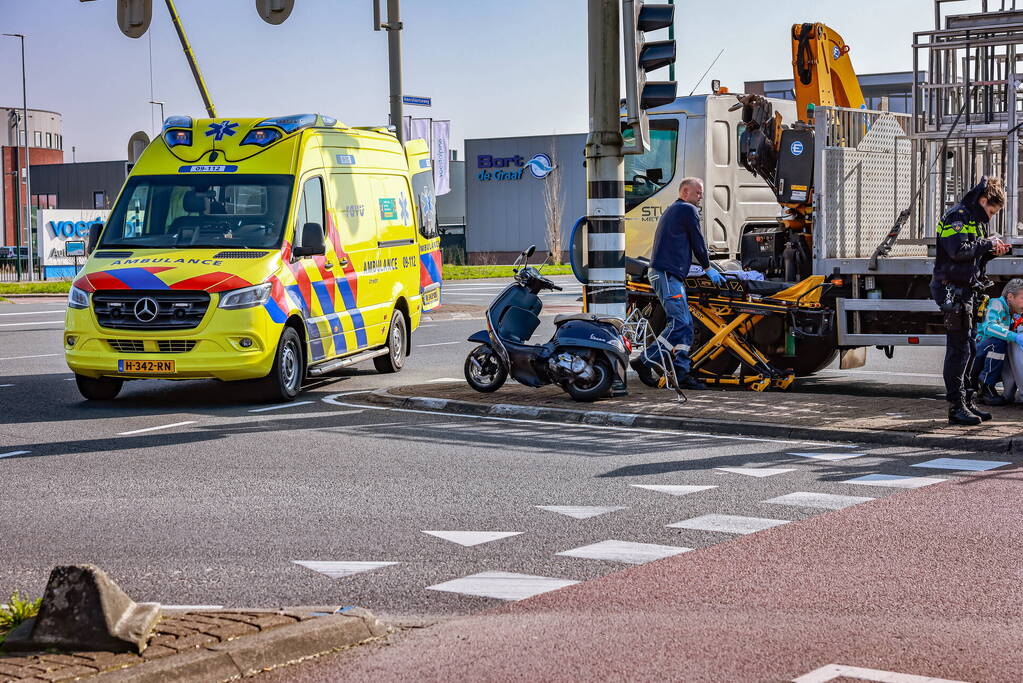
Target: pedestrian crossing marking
[
  {"x": 829, "y": 457},
  {"x": 471, "y": 538},
  {"x": 339, "y": 570},
  {"x": 502, "y": 585},
  {"x": 962, "y": 465},
  {"x": 579, "y": 511},
  {"x": 826, "y": 501},
  {"x": 755, "y": 471},
  {"x": 625, "y": 551},
  {"x": 833, "y": 672},
  {"x": 673, "y": 489},
  {"x": 728, "y": 524},
  {"x": 896, "y": 481}
]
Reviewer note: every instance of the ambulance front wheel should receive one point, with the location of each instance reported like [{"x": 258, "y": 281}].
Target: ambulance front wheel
[
  {"x": 99, "y": 389},
  {"x": 397, "y": 345},
  {"x": 285, "y": 378}
]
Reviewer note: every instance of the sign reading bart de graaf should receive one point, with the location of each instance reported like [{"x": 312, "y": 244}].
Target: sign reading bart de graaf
[{"x": 513, "y": 167}]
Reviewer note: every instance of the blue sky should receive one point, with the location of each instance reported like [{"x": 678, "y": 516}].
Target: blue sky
[{"x": 494, "y": 67}]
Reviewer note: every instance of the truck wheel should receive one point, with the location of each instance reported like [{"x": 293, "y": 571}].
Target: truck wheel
[
  {"x": 102, "y": 389},
  {"x": 811, "y": 357},
  {"x": 397, "y": 344},
  {"x": 285, "y": 378}
]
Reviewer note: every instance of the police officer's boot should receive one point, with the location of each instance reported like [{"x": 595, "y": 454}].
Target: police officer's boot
[
  {"x": 971, "y": 405},
  {"x": 959, "y": 414}
]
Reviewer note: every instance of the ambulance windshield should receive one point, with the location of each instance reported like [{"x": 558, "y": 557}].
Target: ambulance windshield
[{"x": 200, "y": 210}]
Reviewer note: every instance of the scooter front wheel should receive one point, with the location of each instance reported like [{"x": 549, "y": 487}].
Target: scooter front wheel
[{"x": 484, "y": 371}]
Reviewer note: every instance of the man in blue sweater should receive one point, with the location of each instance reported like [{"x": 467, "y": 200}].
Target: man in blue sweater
[{"x": 678, "y": 243}]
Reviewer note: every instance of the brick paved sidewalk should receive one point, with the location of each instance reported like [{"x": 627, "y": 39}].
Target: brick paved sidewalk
[
  {"x": 874, "y": 412},
  {"x": 177, "y": 633}
]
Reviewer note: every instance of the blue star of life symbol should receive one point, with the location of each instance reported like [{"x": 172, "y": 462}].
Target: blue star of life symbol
[
  {"x": 426, "y": 201},
  {"x": 403, "y": 203},
  {"x": 219, "y": 130}
]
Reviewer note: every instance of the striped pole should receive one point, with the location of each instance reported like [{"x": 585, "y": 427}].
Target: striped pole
[{"x": 605, "y": 168}]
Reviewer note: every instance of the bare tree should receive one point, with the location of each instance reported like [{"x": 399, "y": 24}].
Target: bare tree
[{"x": 554, "y": 209}]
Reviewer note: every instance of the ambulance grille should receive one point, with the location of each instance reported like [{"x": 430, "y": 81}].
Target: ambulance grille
[
  {"x": 163, "y": 345},
  {"x": 115, "y": 309},
  {"x": 241, "y": 254}
]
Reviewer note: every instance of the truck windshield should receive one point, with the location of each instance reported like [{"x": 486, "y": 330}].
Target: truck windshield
[
  {"x": 647, "y": 173},
  {"x": 192, "y": 211}
]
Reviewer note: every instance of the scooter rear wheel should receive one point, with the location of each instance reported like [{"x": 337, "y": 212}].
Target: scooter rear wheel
[
  {"x": 484, "y": 370},
  {"x": 598, "y": 388}
]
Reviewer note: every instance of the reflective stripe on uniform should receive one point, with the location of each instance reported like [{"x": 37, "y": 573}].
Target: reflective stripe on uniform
[{"x": 995, "y": 356}]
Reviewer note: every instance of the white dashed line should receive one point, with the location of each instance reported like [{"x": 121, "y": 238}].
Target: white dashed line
[
  {"x": 895, "y": 481},
  {"x": 502, "y": 585},
  {"x": 153, "y": 429},
  {"x": 47, "y": 322},
  {"x": 829, "y": 457},
  {"x": 728, "y": 524},
  {"x": 44, "y": 355},
  {"x": 625, "y": 551},
  {"x": 962, "y": 465},
  {"x": 423, "y": 346},
  {"x": 13, "y": 453},
  {"x": 835, "y": 671},
  {"x": 471, "y": 538},
  {"x": 339, "y": 570},
  {"x": 826, "y": 501},
  {"x": 445, "y": 380},
  {"x": 280, "y": 406},
  {"x": 673, "y": 489}
]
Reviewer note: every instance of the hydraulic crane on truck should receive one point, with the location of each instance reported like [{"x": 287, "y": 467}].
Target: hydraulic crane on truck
[{"x": 783, "y": 155}]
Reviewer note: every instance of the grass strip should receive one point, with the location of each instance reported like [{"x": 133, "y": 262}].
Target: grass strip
[
  {"x": 49, "y": 287},
  {"x": 480, "y": 272}
]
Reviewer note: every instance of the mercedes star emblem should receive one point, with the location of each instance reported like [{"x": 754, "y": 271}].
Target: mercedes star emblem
[{"x": 146, "y": 309}]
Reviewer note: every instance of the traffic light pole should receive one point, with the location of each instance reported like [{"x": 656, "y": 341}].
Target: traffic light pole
[
  {"x": 605, "y": 170},
  {"x": 393, "y": 27}
]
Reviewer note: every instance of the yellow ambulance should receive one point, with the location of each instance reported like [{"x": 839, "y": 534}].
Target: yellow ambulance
[{"x": 258, "y": 249}]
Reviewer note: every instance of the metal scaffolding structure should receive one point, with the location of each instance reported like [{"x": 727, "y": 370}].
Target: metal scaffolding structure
[{"x": 968, "y": 108}]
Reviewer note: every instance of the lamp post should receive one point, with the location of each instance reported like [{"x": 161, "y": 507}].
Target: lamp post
[
  {"x": 161, "y": 112},
  {"x": 28, "y": 175}
]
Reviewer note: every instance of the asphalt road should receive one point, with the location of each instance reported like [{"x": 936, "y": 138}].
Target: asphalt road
[{"x": 189, "y": 494}]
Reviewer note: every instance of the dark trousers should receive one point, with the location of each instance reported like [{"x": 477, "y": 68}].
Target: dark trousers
[
  {"x": 990, "y": 359},
  {"x": 960, "y": 346}
]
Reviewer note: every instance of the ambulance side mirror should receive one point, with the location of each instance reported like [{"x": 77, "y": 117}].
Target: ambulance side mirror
[
  {"x": 94, "y": 231},
  {"x": 312, "y": 241}
]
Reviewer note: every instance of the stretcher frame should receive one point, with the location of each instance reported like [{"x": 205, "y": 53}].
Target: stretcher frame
[{"x": 730, "y": 313}]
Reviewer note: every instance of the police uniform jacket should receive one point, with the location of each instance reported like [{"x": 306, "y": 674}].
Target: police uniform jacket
[{"x": 963, "y": 246}]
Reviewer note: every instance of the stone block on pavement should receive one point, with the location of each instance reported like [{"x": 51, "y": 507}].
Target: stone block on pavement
[{"x": 82, "y": 610}]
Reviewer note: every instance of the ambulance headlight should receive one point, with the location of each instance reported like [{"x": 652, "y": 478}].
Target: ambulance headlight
[
  {"x": 178, "y": 137},
  {"x": 261, "y": 137},
  {"x": 77, "y": 298},
  {"x": 246, "y": 297}
]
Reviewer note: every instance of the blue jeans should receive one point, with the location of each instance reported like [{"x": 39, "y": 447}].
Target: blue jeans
[
  {"x": 677, "y": 335},
  {"x": 991, "y": 359}
]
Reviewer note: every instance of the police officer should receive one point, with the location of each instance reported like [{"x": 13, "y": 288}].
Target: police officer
[
  {"x": 678, "y": 242},
  {"x": 963, "y": 251}
]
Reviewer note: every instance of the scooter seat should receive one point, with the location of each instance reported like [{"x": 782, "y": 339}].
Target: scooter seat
[{"x": 618, "y": 323}]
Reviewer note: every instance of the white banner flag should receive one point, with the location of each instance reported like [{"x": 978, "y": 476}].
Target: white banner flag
[
  {"x": 420, "y": 130},
  {"x": 406, "y": 127},
  {"x": 441, "y": 157}
]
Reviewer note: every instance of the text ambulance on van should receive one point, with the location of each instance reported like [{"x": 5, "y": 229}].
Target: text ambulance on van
[{"x": 247, "y": 248}]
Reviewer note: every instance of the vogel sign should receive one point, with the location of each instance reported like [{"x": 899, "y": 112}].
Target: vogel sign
[{"x": 56, "y": 228}]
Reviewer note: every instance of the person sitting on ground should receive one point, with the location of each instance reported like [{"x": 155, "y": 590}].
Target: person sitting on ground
[{"x": 1003, "y": 318}]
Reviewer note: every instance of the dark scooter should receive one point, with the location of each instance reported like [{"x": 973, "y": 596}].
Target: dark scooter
[{"x": 584, "y": 357}]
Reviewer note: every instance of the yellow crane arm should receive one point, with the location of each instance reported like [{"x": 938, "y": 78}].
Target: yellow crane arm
[{"x": 824, "y": 75}]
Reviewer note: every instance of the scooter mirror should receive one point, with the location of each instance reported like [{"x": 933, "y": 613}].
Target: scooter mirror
[{"x": 529, "y": 252}]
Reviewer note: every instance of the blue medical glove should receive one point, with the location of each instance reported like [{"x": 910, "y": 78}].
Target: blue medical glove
[{"x": 717, "y": 278}]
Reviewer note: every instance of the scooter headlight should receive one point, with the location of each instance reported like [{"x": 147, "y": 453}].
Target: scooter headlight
[{"x": 246, "y": 297}]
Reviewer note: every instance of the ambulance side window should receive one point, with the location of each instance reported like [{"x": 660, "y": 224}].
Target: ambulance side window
[
  {"x": 311, "y": 208},
  {"x": 426, "y": 203}
]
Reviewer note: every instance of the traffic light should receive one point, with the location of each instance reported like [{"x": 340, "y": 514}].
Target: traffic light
[
  {"x": 133, "y": 16},
  {"x": 274, "y": 11},
  {"x": 642, "y": 57}
]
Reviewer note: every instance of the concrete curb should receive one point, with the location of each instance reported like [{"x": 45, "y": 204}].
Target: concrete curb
[
  {"x": 251, "y": 654},
  {"x": 1013, "y": 446}
]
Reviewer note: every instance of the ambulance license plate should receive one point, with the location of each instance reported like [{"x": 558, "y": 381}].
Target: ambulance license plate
[
  {"x": 146, "y": 367},
  {"x": 431, "y": 298}
]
